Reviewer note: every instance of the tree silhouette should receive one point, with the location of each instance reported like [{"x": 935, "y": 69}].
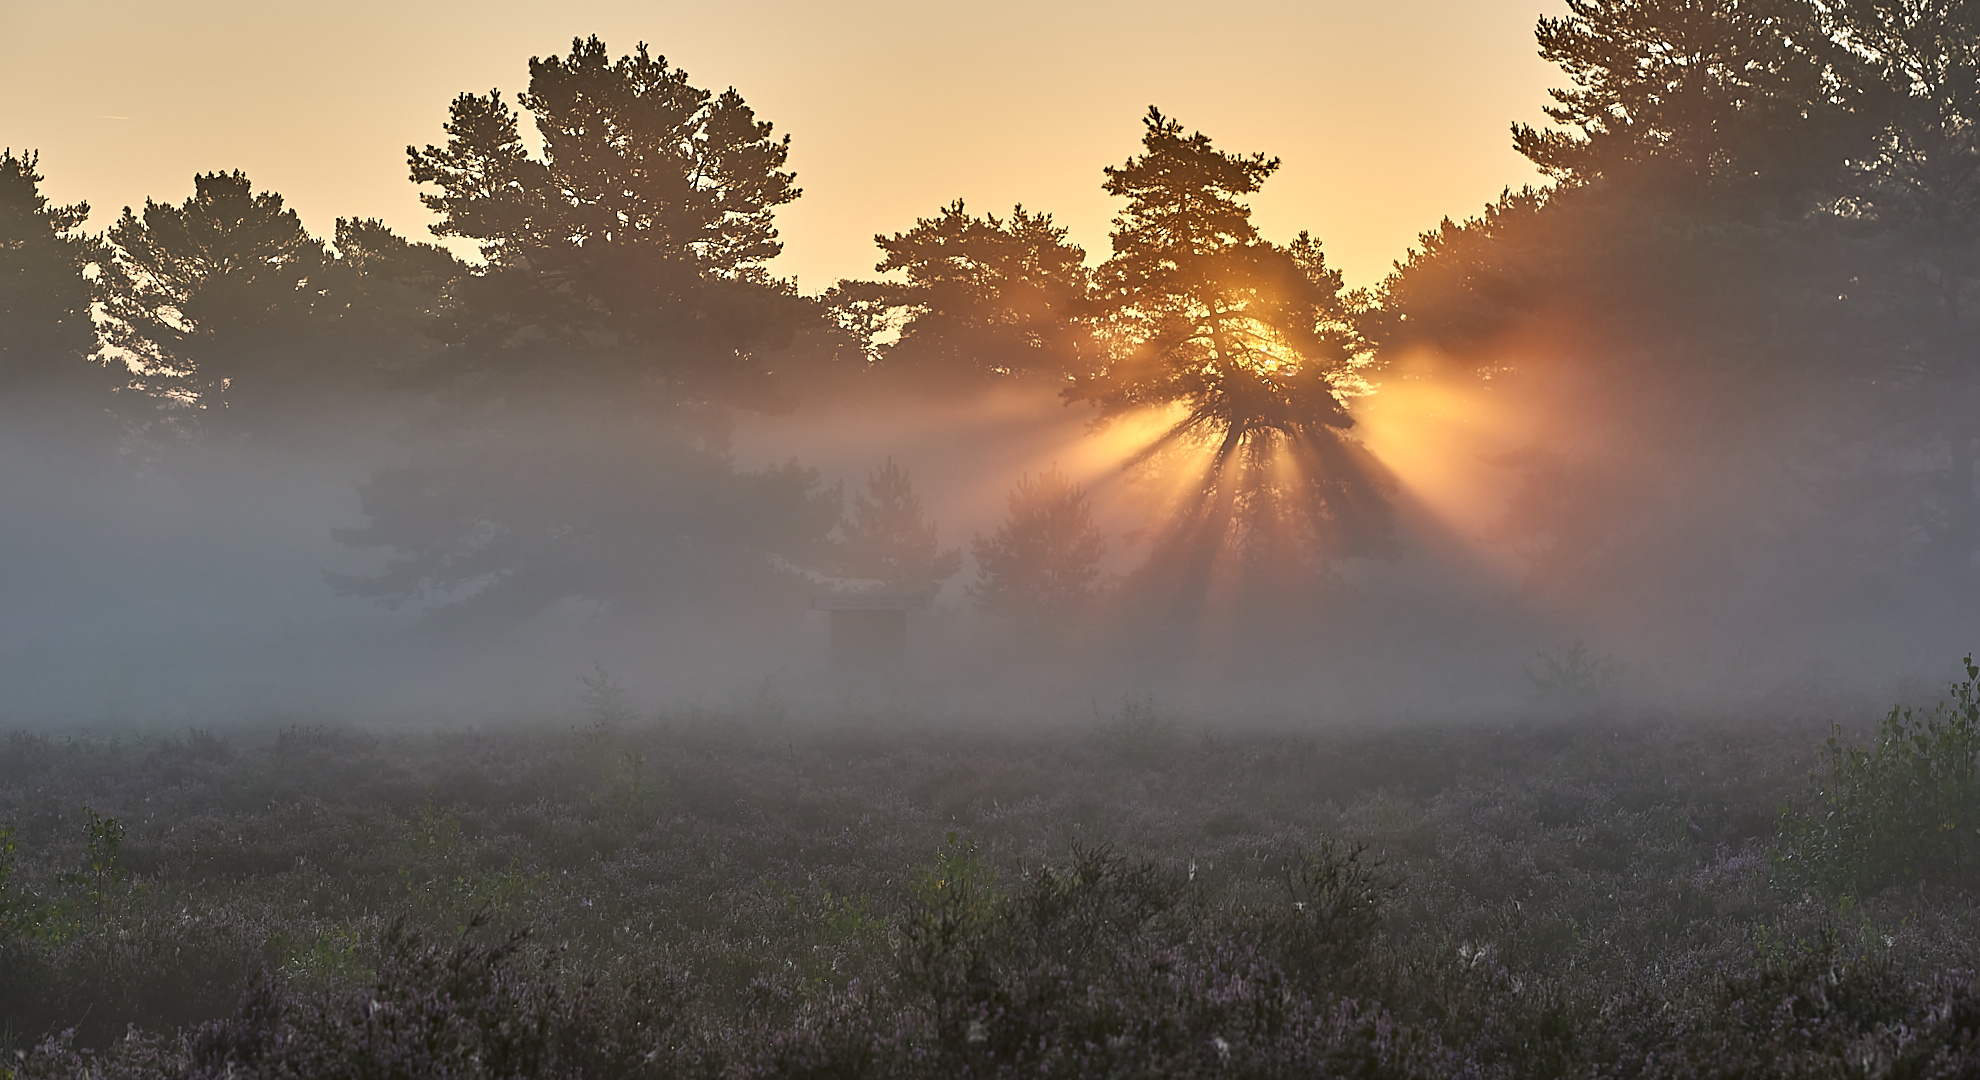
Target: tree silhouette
[
  {"x": 1045, "y": 557},
  {"x": 623, "y": 304},
  {"x": 1252, "y": 339},
  {"x": 980, "y": 296},
  {"x": 1798, "y": 188},
  {"x": 887, "y": 540},
  {"x": 637, "y": 239},
  {"x": 1729, "y": 283},
  {"x": 386, "y": 299},
  {"x": 213, "y": 298},
  {"x": 1683, "y": 95},
  {"x": 1920, "y": 184},
  {"x": 46, "y": 335}
]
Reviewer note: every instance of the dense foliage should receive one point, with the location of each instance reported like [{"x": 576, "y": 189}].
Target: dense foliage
[
  {"x": 981, "y": 295},
  {"x": 1903, "y": 809},
  {"x": 46, "y": 337},
  {"x": 634, "y": 245}
]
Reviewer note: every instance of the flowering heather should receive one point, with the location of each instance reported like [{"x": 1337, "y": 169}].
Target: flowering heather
[{"x": 743, "y": 896}]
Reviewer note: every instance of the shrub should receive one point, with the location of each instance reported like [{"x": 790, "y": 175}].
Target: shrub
[
  {"x": 19, "y": 913},
  {"x": 467, "y": 1011},
  {"x": 1902, "y": 809},
  {"x": 1333, "y": 906},
  {"x": 1577, "y": 681}
]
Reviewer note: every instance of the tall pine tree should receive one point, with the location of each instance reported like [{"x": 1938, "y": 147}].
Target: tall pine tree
[
  {"x": 1250, "y": 338},
  {"x": 214, "y": 299},
  {"x": 47, "y": 338},
  {"x": 635, "y": 243}
]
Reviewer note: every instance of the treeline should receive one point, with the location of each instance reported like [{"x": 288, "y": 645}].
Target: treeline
[
  {"x": 1745, "y": 304},
  {"x": 1740, "y": 319}
]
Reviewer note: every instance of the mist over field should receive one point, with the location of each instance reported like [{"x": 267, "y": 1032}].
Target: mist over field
[{"x": 196, "y": 586}]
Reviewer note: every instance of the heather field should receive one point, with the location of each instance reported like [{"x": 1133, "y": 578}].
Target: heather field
[{"x": 750, "y": 895}]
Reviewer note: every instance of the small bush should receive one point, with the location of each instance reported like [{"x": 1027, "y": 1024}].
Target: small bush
[
  {"x": 1579, "y": 680},
  {"x": 1903, "y": 809},
  {"x": 468, "y": 1011},
  {"x": 1333, "y": 906}
]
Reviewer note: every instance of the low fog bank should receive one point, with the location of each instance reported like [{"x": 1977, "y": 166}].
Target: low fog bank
[{"x": 159, "y": 584}]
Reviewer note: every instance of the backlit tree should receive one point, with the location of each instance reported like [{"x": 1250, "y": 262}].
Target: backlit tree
[
  {"x": 978, "y": 296},
  {"x": 214, "y": 298},
  {"x": 46, "y": 336},
  {"x": 1251, "y": 339},
  {"x": 636, "y": 241}
]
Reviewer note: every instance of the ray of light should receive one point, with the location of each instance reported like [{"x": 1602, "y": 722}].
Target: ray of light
[{"x": 1450, "y": 442}]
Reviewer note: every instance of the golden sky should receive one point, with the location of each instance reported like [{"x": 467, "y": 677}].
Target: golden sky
[{"x": 1388, "y": 115}]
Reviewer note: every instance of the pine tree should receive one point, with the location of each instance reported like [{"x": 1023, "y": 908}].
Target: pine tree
[
  {"x": 214, "y": 298},
  {"x": 982, "y": 295},
  {"x": 887, "y": 540},
  {"x": 46, "y": 336},
  {"x": 1686, "y": 96},
  {"x": 636, "y": 241},
  {"x": 1045, "y": 557},
  {"x": 1253, "y": 339}
]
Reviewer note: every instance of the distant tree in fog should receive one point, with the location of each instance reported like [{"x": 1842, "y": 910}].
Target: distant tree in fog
[
  {"x": 635, "y": 244},
  {"x": 887, "y": 539},
  {"x": 977, "y": 296},
  {"x": 214, "y": 299},
  {"x": 46, "y": 335},
  {"x": 600, "y": 506},
  {"x": 1253, "y": 339},
  {"x": 1045, "y": 557}
]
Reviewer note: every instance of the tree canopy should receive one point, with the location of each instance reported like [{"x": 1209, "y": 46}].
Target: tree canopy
[
  {"x": 1249, "y": 338},
  {"x": 980, "y": 295},
  {"x": 1757, "y": 252},
  {"x": 213, "y": 297},
  {"x": 47, "y": 337},
  {"x": 637, "y": 240},
  {"x": 1754, "y": 96},
  {"x": 1756, "y": 260}
]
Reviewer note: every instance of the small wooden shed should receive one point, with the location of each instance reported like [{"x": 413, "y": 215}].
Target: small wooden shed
[{"x": 869, "y": 630}]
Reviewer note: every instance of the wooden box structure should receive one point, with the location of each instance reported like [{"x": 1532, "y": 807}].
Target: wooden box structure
[{"x": 869, "y": 632}]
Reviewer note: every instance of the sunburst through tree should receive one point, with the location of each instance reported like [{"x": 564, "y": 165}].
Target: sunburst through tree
[{"x": 1253, "y": 343}]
